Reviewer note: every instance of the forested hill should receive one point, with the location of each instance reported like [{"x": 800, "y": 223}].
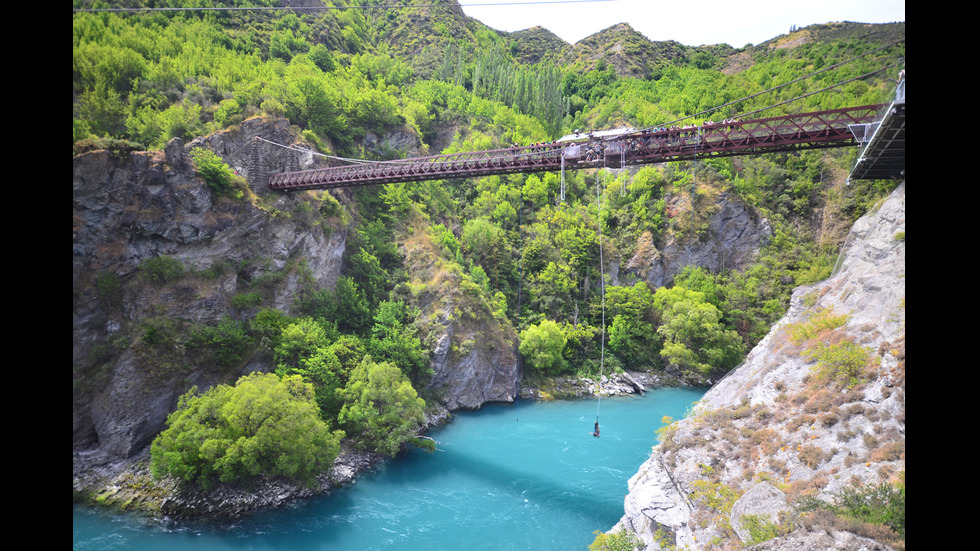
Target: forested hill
[{"x": 183, "y": 275}]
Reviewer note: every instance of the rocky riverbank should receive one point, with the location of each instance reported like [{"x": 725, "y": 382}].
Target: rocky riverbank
[
  {"x": 615, "y": 384},
  {"x": 127, "y": 485}
]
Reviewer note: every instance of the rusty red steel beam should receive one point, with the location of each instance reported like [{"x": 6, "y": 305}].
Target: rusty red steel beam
[{"x": 821, "y": 129}]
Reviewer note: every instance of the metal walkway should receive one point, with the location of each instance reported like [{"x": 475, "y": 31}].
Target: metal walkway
[
  {"x": 821, "y": 129},
  {"x": 883, "y": 156}
]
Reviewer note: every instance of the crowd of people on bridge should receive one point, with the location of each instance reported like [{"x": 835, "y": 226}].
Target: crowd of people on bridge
[{"x": 588, "y": 148}]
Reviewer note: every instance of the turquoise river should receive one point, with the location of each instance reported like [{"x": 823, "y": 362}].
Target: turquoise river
[{"x": 506, "y": 477}]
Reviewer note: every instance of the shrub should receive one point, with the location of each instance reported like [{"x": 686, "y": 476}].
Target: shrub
[
  {"x": 381, "y": 408},
  {"x": 119, "y": 147},
  {"x": 228, "y": 342},
  {"x": 811, "y": 456},
  {"x": 817, "y": 323},
  {"x": 843, "y": 362},
  {"x": 246, "y": 300},
  {"x": 162, "y": 269},
  {"x": 876, "y": 504},
  {"x": 219, "y": 176},
  {"x": 837, "y": 358},
  {"x": 263, "y": 425},
  {"x": 714, "y": 495},
  {"x": 615, "y": 541},
  {"x": 110, "y": 290},
  {"x": 665, "y": 434},
  {"x": 874, "y": 510},
  {"x": 760, "y": 528}
]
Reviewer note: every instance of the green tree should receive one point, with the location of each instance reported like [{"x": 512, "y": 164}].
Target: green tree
[
  {"x": 486, "y": 243},
  {"x": 381, "y": 409},
  {"x": 352, "y": 311},
  {"x": 370, "y": 277},
  {"x": 395, "y": 339},
  {"x": 305, "y": 349},
  {"x": 299, "y": 341},
  {"x": 543, "y": 345},
  {"x": 633, "y": 333},
  {"x": 349, "y": 350},
  {"x": 323, "y": 370},
  {"x": 323, "y": 58},
  {"x": 263, "y": 425},
  {"x": 693, "y": 337},
  {"x": 312, "y": 103}
]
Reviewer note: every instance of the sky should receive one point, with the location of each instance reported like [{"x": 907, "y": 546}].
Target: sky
[{"x": 692, "y": 23}]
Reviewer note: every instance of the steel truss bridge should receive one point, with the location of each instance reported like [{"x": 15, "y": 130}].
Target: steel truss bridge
[{"x": 821, "y": 129}]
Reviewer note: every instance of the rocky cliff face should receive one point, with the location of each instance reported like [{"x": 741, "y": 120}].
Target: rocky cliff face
[
  {"x": 133, "y": 207},
  {"x": 474, "y": 353},
  {"x": 733, "y": 238},
  {"x": 786, "y": 423},
  {"x": 131, "y": 354}
]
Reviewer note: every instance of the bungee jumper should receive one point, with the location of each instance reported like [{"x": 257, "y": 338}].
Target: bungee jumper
[{"x": 596, "y": 431}]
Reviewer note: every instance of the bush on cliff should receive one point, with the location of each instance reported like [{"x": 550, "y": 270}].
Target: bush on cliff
[
  {"x": 263, "y": 425},
  {"x": 218, "y": 175}
]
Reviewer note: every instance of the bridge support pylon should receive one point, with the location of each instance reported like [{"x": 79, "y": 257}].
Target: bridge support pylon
[{"x": 258, "y": 171}]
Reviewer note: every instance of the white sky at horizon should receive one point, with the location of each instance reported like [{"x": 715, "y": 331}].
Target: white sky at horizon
[{"x": 692, "y": 24}]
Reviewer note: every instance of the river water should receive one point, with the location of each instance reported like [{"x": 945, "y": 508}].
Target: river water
[{"x": 507, "y": 477}]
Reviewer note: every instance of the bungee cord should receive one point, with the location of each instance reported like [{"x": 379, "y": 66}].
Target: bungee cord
[{"x": 602, "y": 292}]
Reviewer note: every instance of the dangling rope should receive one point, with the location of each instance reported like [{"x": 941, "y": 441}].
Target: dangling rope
[
  {"x": 622, "y": 169},
  {"x": 520, "y": 282},
  {"x": 563, "y": 174},
  {"x": 602, "y": 288}
]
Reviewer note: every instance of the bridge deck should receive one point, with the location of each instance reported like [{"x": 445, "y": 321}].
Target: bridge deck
[
  {"x": 883, "y": 156},
  {"x": 785, "y": 133}
]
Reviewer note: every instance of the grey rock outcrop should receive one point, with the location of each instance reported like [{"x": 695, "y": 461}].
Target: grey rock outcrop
[
  {"x": 470, "y": 378},
  {"x": 821, "y": 540},
  {"x": 474, "y": 353},
  {"x": 766, "y": 421},
  {"x": 735, "y": 236},
  {"x": 762, "y": 500}
]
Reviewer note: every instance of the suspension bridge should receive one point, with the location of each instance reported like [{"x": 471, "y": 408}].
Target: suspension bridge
[{"x": 618, "y": 149}]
